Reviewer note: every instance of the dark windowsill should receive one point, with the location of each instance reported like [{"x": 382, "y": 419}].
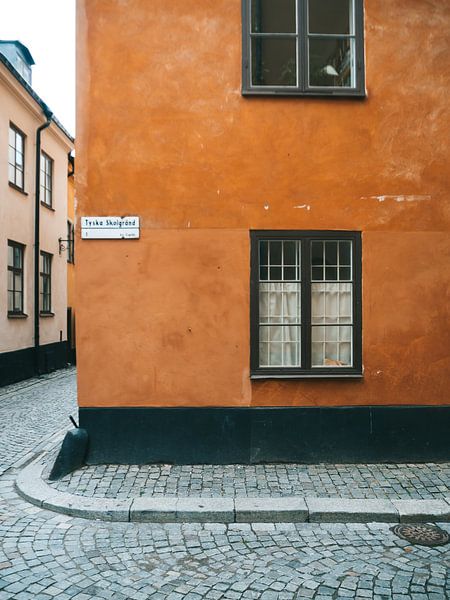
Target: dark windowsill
[
  {"x": 47, "y": 206},
  {"x": 46, "y": 314},
  {"x": 275, "y": 91},
  {"x": 17, "y": 188},
  {"x": 326, "y": 373},
  {"x": 16, "y": 315},
  {"x": 310, "y": 376}
]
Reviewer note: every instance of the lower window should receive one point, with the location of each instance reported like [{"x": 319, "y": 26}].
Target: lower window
[
  {"x": 15, "y": 278},
  {"x": 46, "y": 283},
  {"x": 305, "y": 303}
]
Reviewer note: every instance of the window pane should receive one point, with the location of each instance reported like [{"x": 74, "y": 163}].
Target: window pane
[
  {"x": 11, "y": 173},
  {"x": 331, "y": 346},
  {"x": 18, "y": 282},
  {"x": 280, "y": 303},
  {"x": 274, "y": 61},
  {"x": 331, "y": 253},
  {"x": 345, "y": 273},
  {"x": 275, "y": 253},
  {"x": 10, "y": 256},
  {"x": 10, "y": 301},
  {"x": 19, "y": 159},
  {"x": 18, "y": 301},
  {"x": 279, "y": 346},
  {"x": 17, "y": 256},
  {"x": 12, "y": 137},
  {"x": 273, "y": 16},
  {"x": 290, "y": 273},
  {"x": 331, "y": 62},
  {"x": 317, "y": 253},
  {"x": 19, "y": 178},
  {"x": 330, "y": 16},
  {"x": 331, "y": 302},
  {"x": 345, "y": 253},
  {"x": 331, "y": 273},
  {"x": 263, "y": 253},
  {"x": 275, "y": 273},
  {"x": 317, "y": 273},
  {"x": 10, "y": 280},
  {"x": 19, "y": 143},
  {"x": 290, "y": 253}
]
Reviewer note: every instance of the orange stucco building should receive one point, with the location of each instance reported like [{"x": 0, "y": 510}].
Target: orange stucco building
[{"x": 274, "y": 159}]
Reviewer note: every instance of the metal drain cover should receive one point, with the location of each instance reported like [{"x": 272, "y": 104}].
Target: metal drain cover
[{"x": 422, "y": 534}]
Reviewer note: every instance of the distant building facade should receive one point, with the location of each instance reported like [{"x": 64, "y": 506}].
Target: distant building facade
[
  {"x": 287, "y": 298},
  {"x": 33, "y": 335}
]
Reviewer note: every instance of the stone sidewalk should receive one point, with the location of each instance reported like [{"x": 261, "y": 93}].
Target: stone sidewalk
[{"x": 244, "y": 493}]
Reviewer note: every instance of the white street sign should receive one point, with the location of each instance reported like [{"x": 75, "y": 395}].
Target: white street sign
[{"x": 109, "y": 228}]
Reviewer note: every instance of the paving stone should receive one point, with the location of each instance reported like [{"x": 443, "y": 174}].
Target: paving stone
[{"x": 51, "y": 555}]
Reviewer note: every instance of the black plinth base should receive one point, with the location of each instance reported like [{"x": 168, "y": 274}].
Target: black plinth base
[{"x": 263, "y": 435}]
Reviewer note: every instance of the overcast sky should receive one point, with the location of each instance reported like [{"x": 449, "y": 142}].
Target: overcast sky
[{"x": 47, "y": 28}]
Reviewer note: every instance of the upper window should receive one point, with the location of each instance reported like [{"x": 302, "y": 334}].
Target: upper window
[
  {"x": 15, "y": 278},
  {"x": 16, "y": 158},
  {"x": 310, "y": 47},
  {"x": 305, "y": 303},
  {"x": 46, "y": 179},
  {"x": 46, "y": 282}
]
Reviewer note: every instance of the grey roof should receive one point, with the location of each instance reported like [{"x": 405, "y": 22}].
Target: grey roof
[{"x": 33, "y": 94}]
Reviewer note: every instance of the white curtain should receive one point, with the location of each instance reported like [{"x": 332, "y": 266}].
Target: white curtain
[{"x": 280, "y": 324}]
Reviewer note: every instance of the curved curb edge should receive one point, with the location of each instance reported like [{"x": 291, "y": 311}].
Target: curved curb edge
[{"x": 31, "y": 486}]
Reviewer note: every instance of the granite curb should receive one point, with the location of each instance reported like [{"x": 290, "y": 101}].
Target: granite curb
[{"x": 31, "y": 486}]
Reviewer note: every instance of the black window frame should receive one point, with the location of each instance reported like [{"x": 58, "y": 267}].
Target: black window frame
[
  {"x": 16, "y": 166},
  {"x": 303, "y": 88},
  {"x": 46, "y": 179},
  {"x": 45, "y": 276},
  {"x": 306, "y": 370},
  {"x": 16, "y": 270}
]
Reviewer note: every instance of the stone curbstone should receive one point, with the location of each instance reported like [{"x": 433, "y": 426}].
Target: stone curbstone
[
  {"x": 422, "y": 511},
  {"x": 290, "y": 509},
  {"x": 205, "y": 510},
  {"x": 30, "y": 485},
  {"x": 351, "y": 510},
  {"x": 153, "y": 510},
  {"x": 105, "y": 509}
]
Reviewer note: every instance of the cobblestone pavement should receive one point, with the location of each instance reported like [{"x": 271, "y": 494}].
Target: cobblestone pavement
[
  {"x": 340, "y": 481},
  {"x": 46, "y": 555},
  {"x": 31, "y": 411}
]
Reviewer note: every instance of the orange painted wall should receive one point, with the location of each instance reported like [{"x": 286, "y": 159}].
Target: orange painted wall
[{"x": 164, "y": 133}]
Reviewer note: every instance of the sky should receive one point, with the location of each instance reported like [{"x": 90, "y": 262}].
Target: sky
[{"x": 47, "y": 28}]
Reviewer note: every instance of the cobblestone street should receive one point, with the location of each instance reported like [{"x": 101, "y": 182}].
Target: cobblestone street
[{"x": 45, "y": 555}]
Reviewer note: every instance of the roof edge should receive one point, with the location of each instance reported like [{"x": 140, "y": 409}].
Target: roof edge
[{"x": 35, "y": 96}]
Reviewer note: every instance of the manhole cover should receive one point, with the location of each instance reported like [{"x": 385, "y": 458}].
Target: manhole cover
[{"x": 422, "y": 534}]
